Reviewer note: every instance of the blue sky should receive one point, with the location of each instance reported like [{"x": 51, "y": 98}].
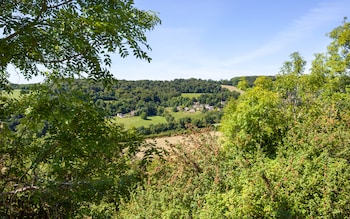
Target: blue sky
[{"x": 227, "y": 38}]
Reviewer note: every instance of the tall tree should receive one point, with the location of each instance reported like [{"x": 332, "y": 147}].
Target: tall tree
[
  {"x": 59, "y": 157},
  {"x": 73, "y": 37},
  {"x": 339, "y": 49},
  {"x": 63, "y": 156}
]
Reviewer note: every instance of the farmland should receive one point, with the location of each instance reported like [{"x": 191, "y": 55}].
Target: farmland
[{"x": 137, "y": 121}]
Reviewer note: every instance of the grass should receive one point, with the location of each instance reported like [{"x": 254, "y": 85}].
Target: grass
[
  {"x": 136, "y": 121},
  {"x": 163, "y": 142},
  {"x": 191, "y": 95},
  {"x": 232, "y": 88}
]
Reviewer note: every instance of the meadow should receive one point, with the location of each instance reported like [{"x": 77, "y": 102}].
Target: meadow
[{"x": 137, "y": 121}]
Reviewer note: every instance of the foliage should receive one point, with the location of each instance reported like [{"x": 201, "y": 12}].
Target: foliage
[
  {"x": 254, "y": 122},
  {"x": 284, "y": 152},
  {"x": 144, "y": 115},
  {"x": 242, "y": 84},
  {"x": 249, "y": 79},
  {"x": 148, "y": 96},
  {"x": 308, "y": 125},
  {"x": 59, "y": 156},
  {"x": 192, "y": 166},
  {"x": 339, "y": 50},
  {"x": 63, "y": 156},
  {"x": 70, "y": 38}
]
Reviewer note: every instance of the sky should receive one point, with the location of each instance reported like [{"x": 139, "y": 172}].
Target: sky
[{"x": 222, "y": 39}]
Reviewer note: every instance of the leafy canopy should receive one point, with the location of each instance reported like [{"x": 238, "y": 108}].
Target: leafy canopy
[
  {"x": 72, "y": 37},
  {"x": 59, "y": 156}
]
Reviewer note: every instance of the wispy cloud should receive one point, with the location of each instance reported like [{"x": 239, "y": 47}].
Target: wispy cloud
[
  {"x": 299, "y": 29},
  {"x": 183, "y": 51}
]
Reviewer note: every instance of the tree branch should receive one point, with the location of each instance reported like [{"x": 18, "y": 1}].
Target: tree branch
[
  {"x": 31, "y": 23},
  {"x": 59, "y": 5},
  {"x": 23, "y": 189}
]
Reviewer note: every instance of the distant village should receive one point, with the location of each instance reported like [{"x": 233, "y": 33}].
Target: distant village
[{"x": 195, "y": 108}]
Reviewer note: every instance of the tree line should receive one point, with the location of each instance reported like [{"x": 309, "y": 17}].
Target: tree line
[{"x": 146, "y": 96}]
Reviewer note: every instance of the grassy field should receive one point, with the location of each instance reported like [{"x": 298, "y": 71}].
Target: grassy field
[
  {"x": 191, "y": 95},
  {"x": 136, "y": 121},
  {"x": 232, "y": 88},
  {"x": 164, "y": 142}
]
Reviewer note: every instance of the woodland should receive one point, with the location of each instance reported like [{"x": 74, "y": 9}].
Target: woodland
[
  {"x": 283, "y": 153},
  {"x": 201, "y": 101}
]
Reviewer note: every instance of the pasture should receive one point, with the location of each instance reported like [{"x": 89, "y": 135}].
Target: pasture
[{"x": 136, "y": 121}]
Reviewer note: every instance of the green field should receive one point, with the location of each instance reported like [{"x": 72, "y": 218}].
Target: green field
[
  {"x": 191, "y": 95},
  {"x": 136, "y": 121}
]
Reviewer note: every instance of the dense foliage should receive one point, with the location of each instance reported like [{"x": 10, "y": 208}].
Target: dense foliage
[
  {"x": 250, "y": 80},
  {"x": 70, "y": 38},
  {"x": 147, "y": 96},
  {"x": 284, "y": 154},
  {"x": 64, "y": 158},
  {"x": 59, "y": 157},
  {"x": 150, "y": 96}
]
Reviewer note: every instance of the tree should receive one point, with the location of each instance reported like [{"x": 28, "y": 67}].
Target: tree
[
  {"x": 274, "y": 165},
  {"x": 338, "y": 54},
  {"x": 263, "y": 82},
  {"x": 242, "y": 84},
  {"x": 288, "y": 82},
  {"x": 59, "y": 155},
  {"x": 143, "y": 115},
  {"x": 63, "y": 157},
  {"x": 70, "y": 38},
  {"x": 339, "y": 50},
  {"x": 319, "y": 71},
  {"x": 305, "y": 123},
  {"x": 254, "y": 123}
]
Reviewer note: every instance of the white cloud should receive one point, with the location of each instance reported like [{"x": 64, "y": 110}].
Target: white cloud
[{"x": 299, "y": 29}]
